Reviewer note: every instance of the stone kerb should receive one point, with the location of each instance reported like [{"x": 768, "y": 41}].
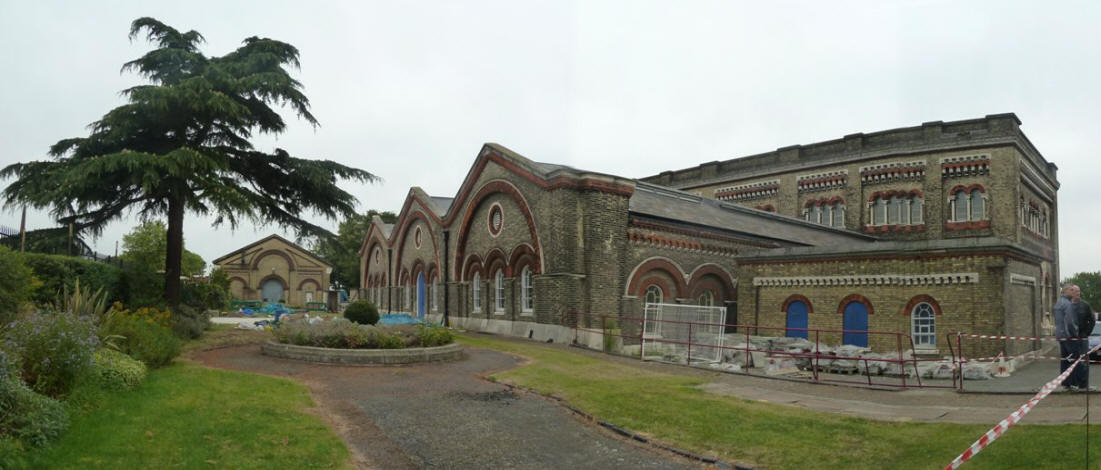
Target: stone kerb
[{"x": 449, "y": 352}]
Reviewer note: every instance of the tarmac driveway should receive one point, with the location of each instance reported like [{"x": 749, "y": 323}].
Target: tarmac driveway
[{"x": 445, "y": 416}]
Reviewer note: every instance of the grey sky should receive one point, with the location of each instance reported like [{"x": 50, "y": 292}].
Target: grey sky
[{"x": 410, "y": 91}]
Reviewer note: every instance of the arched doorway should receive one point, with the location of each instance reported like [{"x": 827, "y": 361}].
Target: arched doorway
[
  {"x": 420, "y": 295},
  {"x": 797, "y": 318},
  {"x": 272, "y": 290},
  {"x": 855, "y": 322}
]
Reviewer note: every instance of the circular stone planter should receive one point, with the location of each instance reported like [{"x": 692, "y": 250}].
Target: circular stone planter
[{"x": 449, "y": 352}]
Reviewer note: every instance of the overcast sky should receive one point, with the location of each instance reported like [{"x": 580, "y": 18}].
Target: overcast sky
[{"x": 411, "y": 90}]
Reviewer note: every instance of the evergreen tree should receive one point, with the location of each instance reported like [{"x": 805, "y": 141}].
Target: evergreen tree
[
  {"x": 343, "y": 250},
  {"x": 181, "y": 144}
]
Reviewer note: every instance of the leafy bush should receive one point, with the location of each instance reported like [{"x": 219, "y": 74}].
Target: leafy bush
[
  {"x": 141, "y": 286},
  {"x": 343, "y": 334},
  {"x": 362, "y": 312},
  {"x": 17, "y": 284},
  {"x": 146, "y": 334},
  {"x": 56, "y": 271},
  {"x": 9, "y": 365},
  {"x": 27, "y": 417},
  {"x": 434, "y": 335},
  {"x": 116, "y": 371},
  {"x": 189, "y": 323},
  {"x": 335, "y": 333},
  {"x": 204, "y": 296},
  {"x": 55, "y": 349}
]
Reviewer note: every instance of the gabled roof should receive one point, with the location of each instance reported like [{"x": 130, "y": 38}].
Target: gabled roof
[
  {"x": 443, "y": 204},
  {"x": 678, "y": 206},
  {"x": 270, "y": 237}
]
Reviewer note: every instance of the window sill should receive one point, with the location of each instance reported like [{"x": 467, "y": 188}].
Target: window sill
[
  {"x": 498, "y": 312},
  {"x": 527, "y": 313},
  {"x": 971, "y": 225},
  {"x": 894, "y": 228}
]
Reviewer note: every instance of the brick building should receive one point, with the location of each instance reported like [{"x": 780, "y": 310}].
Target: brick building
[
  {"x": 920, "y": 230},
  {"x": 274, "y": 269}
]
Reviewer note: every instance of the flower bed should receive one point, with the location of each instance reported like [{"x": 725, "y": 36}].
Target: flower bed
[{"x": 340, "y": 341}]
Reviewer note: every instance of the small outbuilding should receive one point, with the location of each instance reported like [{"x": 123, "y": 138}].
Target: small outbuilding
[{"x": 274, "y": 269}]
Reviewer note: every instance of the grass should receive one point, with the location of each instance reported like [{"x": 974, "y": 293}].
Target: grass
[
  {"x": 674, "y": 410},
  {"x": 192, "y": 417},
  {"x": 220, "y": 336}
]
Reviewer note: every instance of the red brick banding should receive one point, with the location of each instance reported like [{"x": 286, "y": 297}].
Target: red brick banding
[
  {"x": 644, "y": 269},
  {"x": 909, "y": 308},
  {"x": 854, "y": 298},
  {"x": 797, "y": 298}
]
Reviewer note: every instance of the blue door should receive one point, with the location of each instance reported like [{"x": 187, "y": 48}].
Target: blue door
[
  {"x": 420, "y": 295},
  {"x": 272, "y": 290},
  {"x": 856, "y": 318},
  {"x": 797, "y": 318}
]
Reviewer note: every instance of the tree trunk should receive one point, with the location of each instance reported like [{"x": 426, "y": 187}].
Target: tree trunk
[{"x": 174, "y": 254}]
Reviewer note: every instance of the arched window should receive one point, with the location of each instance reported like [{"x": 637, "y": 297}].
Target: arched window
[
  {"x": 880, "y": 214},
  {"x": 838, "y": 215},
  {"x": 894, "y": 209},
  {"x": 706, "y": 299},
  {"x": 825, "y": 212},
  {"x": 499, "y": 291},
  {"x": 436, "y": 295},
  {"x": 923, "y": 325},
  {"x": 916, "y": 209},
  {"x": 654, "y": 295},
  {"x": 967, "y": 206},
  {"x": 527, "y": 299},
  {"x": 476, "y": 291},
  {"x": 978, "y": 205}
]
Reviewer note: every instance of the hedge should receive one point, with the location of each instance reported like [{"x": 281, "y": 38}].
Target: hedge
[{"x": 53, "y": 271}]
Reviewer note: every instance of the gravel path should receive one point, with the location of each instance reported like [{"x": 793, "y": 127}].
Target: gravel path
[{"x": 446, "y": 416}]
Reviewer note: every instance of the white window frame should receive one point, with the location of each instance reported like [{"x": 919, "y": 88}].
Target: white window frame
[
  {"x": 658, "y": 294},
  {"x": 435, "y": 295},
  {"x": 499, "y": 292},
  {"x": 710, "y": 296},
  {"x": 923, "y": 339},
  {"x": 527, "y": 291},
  {"x": 476, "y": 292}
]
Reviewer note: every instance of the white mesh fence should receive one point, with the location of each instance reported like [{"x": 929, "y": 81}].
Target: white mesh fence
[{"x": 679, "y": 333}]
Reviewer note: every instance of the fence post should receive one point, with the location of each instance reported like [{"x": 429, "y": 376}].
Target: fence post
[
  {"x": 901, "y": 361},
  {"x": 688, "y": 357},
  {"x": 959, "y": 346}
]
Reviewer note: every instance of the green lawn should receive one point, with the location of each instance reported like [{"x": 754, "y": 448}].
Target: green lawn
[
  {"x": 188, "y": 416},
  {"x": 670, "y": 408}
]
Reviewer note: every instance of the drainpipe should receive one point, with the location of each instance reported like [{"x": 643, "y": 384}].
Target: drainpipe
[
  {"x": 390, "y": 269},
  {"x": 446, "y": 279},
  {"x": 756, "y": 307}
]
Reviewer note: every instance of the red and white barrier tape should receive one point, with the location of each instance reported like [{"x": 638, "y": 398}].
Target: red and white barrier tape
[
  {"x": 1016, "y": 416},
  {"x": 1026, "y": 338}
]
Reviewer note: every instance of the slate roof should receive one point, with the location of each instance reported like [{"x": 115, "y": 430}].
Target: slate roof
[
  {"x": 387, "y": 229},
  {"x": 678, "y": 206},
  {"x": 443, "y": 204}
]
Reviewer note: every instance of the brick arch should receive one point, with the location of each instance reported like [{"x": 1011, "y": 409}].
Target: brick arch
[
  {"x": 667, "y": 294},
  {"x": 239, "y": 278},
  {"x": 276, "y": 277},
  {"x": 968, "y": 189},
  {"x": 523, "y": 255},
  {"x": 496, "y": 259},
  {"x": 316, "y": 284},
  {"x": 418, "y": 267},
  {"x": 717, "y": 276},
  {"x": 909, "y": 308},
  {"x": 656, "y": 264},
  {"x": 489, "y": 189},
  {"x": 266, "y": 253},
  {"x": 855, "y": 298},
  {"x": 431, "y": 272},
  {"x": 798, "y": 298},
  {"x": 473, "y": 263},
  {"x": 371, "y": 245},
  {"x": 407, "y": 225}
]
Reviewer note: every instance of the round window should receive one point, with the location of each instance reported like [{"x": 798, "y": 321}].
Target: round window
[
  {"x": 495, "y": 220},
  {"x": 417, "y": 237},
  {"x": 376, "y": 255}
]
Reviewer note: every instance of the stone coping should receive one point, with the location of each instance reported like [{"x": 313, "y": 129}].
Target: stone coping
[{"x": 449, "y": 352}]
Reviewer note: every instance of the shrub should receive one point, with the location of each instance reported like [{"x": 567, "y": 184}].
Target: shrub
[
  {"x": 362, "y": 312},
  {"x": 204, "y": 296},
  {"x": 116, "y": 371},
  {"x": 82, "y": 301},
  {"x": 140, "y": 286},
  {"x": 145, "y": 334},
  {"x": 55, "y": 349},
  {"x": 431, "y": 335},
  {"x": 27, "y": 417},
  {"x": 335, "y": 333},
  {"x": 391, "y": 341},
  {"x": 55, "y": 271},
  {"x": 17, "y": 284},
  {"x": 189, "y": 323}
]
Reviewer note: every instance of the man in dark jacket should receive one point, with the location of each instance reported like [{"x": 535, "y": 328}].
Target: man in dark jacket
[
  {"x": 1067, "y": 331},
  {"x": 1086, "y": 322}
]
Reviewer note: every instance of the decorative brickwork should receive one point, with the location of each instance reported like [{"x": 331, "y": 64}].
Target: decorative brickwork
[
  {"x": 891, "y": 172},
  {"x": 822, "y": 181},
  {"x": 971, "y": 165},
  {"x": 748, "y": 192}
]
